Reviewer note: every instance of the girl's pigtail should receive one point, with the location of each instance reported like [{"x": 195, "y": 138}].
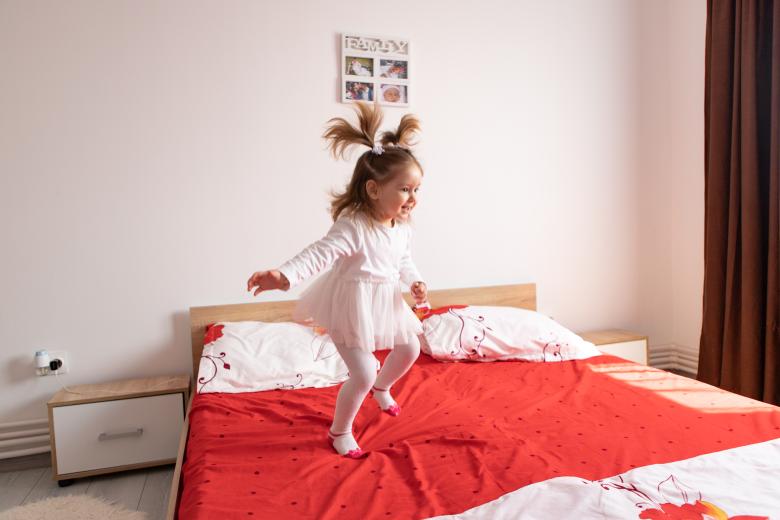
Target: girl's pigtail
[
  {"x": 341, "y": 135},
  {"x": 378, "y": 164},
  {"x": 403, "y": 137}
]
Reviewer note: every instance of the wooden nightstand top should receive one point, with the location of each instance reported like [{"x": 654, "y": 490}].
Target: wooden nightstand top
[
  {"x": 605, "y": 337},
  {"x": 124, "y": 389}
]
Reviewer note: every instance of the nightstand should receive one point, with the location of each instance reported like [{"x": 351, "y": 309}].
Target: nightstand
[
  {"x": 621, "y": 343},
  {"x": 116, "y": 426}
]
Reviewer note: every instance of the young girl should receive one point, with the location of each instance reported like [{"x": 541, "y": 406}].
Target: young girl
[{"x": 359, "y": 300}]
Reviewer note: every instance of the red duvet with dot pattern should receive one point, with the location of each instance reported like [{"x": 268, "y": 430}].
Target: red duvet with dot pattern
[{"x": 468, "y": 434}]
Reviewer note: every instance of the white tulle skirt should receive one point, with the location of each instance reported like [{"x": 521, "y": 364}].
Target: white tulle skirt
[{"x": 369, "y": 314}]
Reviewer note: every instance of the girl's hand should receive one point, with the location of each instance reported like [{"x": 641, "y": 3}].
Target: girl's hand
[
  {"x": 266, "y": 281},
  {"x": 419, "y": 292}
]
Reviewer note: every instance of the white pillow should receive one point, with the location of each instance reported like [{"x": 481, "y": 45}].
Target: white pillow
[
  {"x": 250, "y": 356},
  {"x": 495, "y": 333}
]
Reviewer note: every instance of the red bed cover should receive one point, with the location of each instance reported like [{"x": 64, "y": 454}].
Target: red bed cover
[{"x": 468, "y": 433}]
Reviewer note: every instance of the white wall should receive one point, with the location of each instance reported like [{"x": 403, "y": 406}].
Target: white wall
[
  {"x": 671, "y": 152},
  {"x": 154, "y": 154},
  {"x": 687, "y": 23}
]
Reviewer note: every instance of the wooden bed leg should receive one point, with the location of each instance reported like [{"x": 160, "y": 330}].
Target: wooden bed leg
[{"x": 173, "y": 498}]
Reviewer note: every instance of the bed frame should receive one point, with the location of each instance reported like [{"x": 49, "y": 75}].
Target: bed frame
[{"x": 521, "y": 295}]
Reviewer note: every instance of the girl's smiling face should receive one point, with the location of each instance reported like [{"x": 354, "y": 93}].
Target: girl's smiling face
[{"x": 397, "y": 198}]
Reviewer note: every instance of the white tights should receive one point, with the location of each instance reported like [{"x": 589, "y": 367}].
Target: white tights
[{"x": 363, "y": 375}]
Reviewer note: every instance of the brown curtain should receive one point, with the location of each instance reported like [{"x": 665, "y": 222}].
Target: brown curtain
[{"x": 740, "y": 343}]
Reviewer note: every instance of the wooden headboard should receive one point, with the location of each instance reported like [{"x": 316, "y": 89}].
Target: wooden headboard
[{"x": 521, "y": 295}]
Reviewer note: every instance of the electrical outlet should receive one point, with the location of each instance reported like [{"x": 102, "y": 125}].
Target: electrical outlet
[{"x": 62, "y": 356}]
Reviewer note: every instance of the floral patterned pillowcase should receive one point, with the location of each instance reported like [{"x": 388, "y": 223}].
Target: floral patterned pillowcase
[
  {"x": 482, "y": 333},
  {"x": 250, "y": 356}
]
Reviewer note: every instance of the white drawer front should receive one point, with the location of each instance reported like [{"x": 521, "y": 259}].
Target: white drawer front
[
  {"x": 116, "y": 433},
  {"x": 632, "y": 350}
]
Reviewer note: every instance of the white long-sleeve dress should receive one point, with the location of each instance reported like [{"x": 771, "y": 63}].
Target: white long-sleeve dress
[{"x": 359, "y": 300}]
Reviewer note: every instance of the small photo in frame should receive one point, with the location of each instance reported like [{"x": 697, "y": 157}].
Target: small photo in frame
[
  {"x": 396, "y": 69},
  {"x": 357, "y": 66},
  {"x": 359, "y": 91},
  {"x": 393, "y": 93}
]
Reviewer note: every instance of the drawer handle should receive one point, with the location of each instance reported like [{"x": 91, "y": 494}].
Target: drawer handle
[{"x": 107, "y": 436}]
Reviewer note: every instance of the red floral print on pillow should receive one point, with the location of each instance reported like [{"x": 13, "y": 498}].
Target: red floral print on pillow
[
  {"x": 441, "y": 310},
  {"x": 213, "y": 333},
  {"x": 221, "y": 358}
]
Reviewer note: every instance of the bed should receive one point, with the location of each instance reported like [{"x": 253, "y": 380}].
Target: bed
[{"x": 600, "y": 437}]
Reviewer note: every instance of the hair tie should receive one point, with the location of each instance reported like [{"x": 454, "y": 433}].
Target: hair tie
[{"x": 377, "y": 149}]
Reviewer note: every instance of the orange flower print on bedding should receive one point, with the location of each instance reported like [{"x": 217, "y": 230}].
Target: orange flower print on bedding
[
  {"x": 689, "y": 501},
  {"x": 700, "y": 510}
]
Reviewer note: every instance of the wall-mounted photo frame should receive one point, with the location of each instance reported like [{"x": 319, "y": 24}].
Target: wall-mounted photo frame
[{"x": 375, "y": 68}]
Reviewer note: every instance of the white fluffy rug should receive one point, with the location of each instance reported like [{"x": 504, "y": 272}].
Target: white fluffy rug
[{"x": 71, "y": 507}]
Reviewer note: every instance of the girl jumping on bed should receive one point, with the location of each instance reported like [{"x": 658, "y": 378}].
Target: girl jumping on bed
[{"x": 359, "y": 300}]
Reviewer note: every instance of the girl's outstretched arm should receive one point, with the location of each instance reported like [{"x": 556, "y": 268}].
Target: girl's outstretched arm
[{"x": 343, "y": 239}]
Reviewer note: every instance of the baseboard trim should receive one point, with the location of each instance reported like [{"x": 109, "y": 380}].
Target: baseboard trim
[
  {"x": 673, "y": 356},
  {"x": 40, "y": 460},
  {"x": 21, "y": 439}
]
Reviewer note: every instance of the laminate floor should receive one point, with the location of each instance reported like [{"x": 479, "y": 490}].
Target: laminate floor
[{"x": 142, "y": 489}]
